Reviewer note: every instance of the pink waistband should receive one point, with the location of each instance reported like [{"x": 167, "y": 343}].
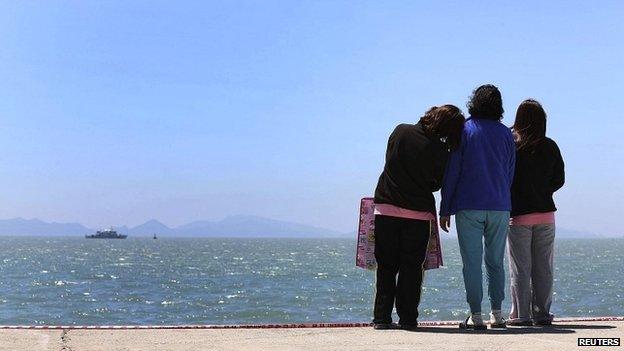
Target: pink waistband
[
  {"x": 395, "y": 211},
  {"x": 533, "y": 219}
]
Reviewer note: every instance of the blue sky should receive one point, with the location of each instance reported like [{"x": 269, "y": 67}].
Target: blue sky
[{"x": 115, "y": 112}]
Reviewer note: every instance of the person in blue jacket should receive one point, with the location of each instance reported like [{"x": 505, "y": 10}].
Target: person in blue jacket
[{"x": 477, "y": 190}]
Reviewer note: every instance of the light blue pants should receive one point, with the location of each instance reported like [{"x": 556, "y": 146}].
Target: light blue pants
[{"x": 474, "y": 228}]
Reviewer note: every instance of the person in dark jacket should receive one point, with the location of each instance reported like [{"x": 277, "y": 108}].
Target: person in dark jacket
[
  {"x": 404, "y": 206},
  {"x": 477, "y": 190},
  {"x": 539, "y": 173}
]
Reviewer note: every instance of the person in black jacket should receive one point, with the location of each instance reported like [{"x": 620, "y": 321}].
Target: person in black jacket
[
  {"x": 404, "y": 206},
  {"x": 539, "y": 173}
]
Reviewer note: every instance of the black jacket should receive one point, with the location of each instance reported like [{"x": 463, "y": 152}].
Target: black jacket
[
  {"x": 538, "y": 175},
  {"x": 415, "y": 162}
]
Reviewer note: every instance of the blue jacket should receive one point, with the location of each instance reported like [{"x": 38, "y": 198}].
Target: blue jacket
[{"x": 480, "y": 171}]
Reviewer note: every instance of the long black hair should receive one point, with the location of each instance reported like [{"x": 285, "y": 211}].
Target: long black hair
[
  {"x": 445, "y": 122},
  {"x": 486, "y": 102},
  {"x": 530, "y": 125}
]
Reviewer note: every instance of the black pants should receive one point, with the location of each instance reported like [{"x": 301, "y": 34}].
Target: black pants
[{"x": 400, "y": 248}]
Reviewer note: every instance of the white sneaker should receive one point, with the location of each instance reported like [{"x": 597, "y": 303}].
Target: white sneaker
[{"x": 497, "y": 320}]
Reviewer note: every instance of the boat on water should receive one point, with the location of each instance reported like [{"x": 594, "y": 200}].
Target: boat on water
[
  {"x": 106, "y": 234},
  {"x": 155, "y": 237}
]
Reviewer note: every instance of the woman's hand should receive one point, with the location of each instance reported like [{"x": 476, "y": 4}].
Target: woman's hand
[{"x": 445, "y": 223}]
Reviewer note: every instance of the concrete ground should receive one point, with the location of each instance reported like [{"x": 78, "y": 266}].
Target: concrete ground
[{"x": 562, "y": 336}]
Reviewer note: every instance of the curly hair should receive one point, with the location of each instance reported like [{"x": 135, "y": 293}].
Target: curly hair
[
  {"x": 445, "y": 122},
  {"x": 486, "y": 102},
  {"x": 529, "y": 128}
]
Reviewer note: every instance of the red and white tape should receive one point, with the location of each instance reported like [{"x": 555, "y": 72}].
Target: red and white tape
[{"x": 268, "y": 326}]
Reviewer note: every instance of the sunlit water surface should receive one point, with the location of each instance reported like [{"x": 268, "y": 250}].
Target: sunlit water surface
[{"x": 225, "y": 281}]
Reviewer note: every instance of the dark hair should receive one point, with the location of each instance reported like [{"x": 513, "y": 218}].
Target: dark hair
[
  {"x": 486, "y": 102},
  {"x": 530, "y": 125},
  {"x": 445, "y": 122}
]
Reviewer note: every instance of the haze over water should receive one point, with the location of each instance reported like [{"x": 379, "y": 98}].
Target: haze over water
[{"x": 227, "y": 281}]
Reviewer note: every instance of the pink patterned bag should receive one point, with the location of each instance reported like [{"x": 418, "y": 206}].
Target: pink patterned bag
[{"x": 365, "y": 255}]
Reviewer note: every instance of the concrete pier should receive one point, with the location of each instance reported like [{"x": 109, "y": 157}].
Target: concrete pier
[{"x": 562, "y": 336}]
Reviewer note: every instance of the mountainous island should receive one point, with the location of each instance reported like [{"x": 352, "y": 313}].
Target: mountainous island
[
  {"x": 241, "y": 226},
  {"x": 232, "y": 226}
]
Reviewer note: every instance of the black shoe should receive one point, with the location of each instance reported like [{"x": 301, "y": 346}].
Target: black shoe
[
  {"x": 467, "y": 324},
  {"x": 499, "y": 326},
  {"x": 410, "y": 327},
  {"x": 384, "y": 326},
  {"x": 520, "y": 323}
]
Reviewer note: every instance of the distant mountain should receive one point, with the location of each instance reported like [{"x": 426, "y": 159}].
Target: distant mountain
[
  {"x": 565, "y": 233},
  {"x": 197, "y": 227},
  {"x": 252, "y": 226},
  {"x": 233, "y": 226},
  {"x": 36, "y": 227},
  {"x": 149, "y": 228}
]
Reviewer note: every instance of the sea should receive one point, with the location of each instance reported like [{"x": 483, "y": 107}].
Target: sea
[{"x": 141, "y": 281}]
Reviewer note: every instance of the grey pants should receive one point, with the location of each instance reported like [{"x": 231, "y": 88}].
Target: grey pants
[{"x": 531, "y": 251}]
